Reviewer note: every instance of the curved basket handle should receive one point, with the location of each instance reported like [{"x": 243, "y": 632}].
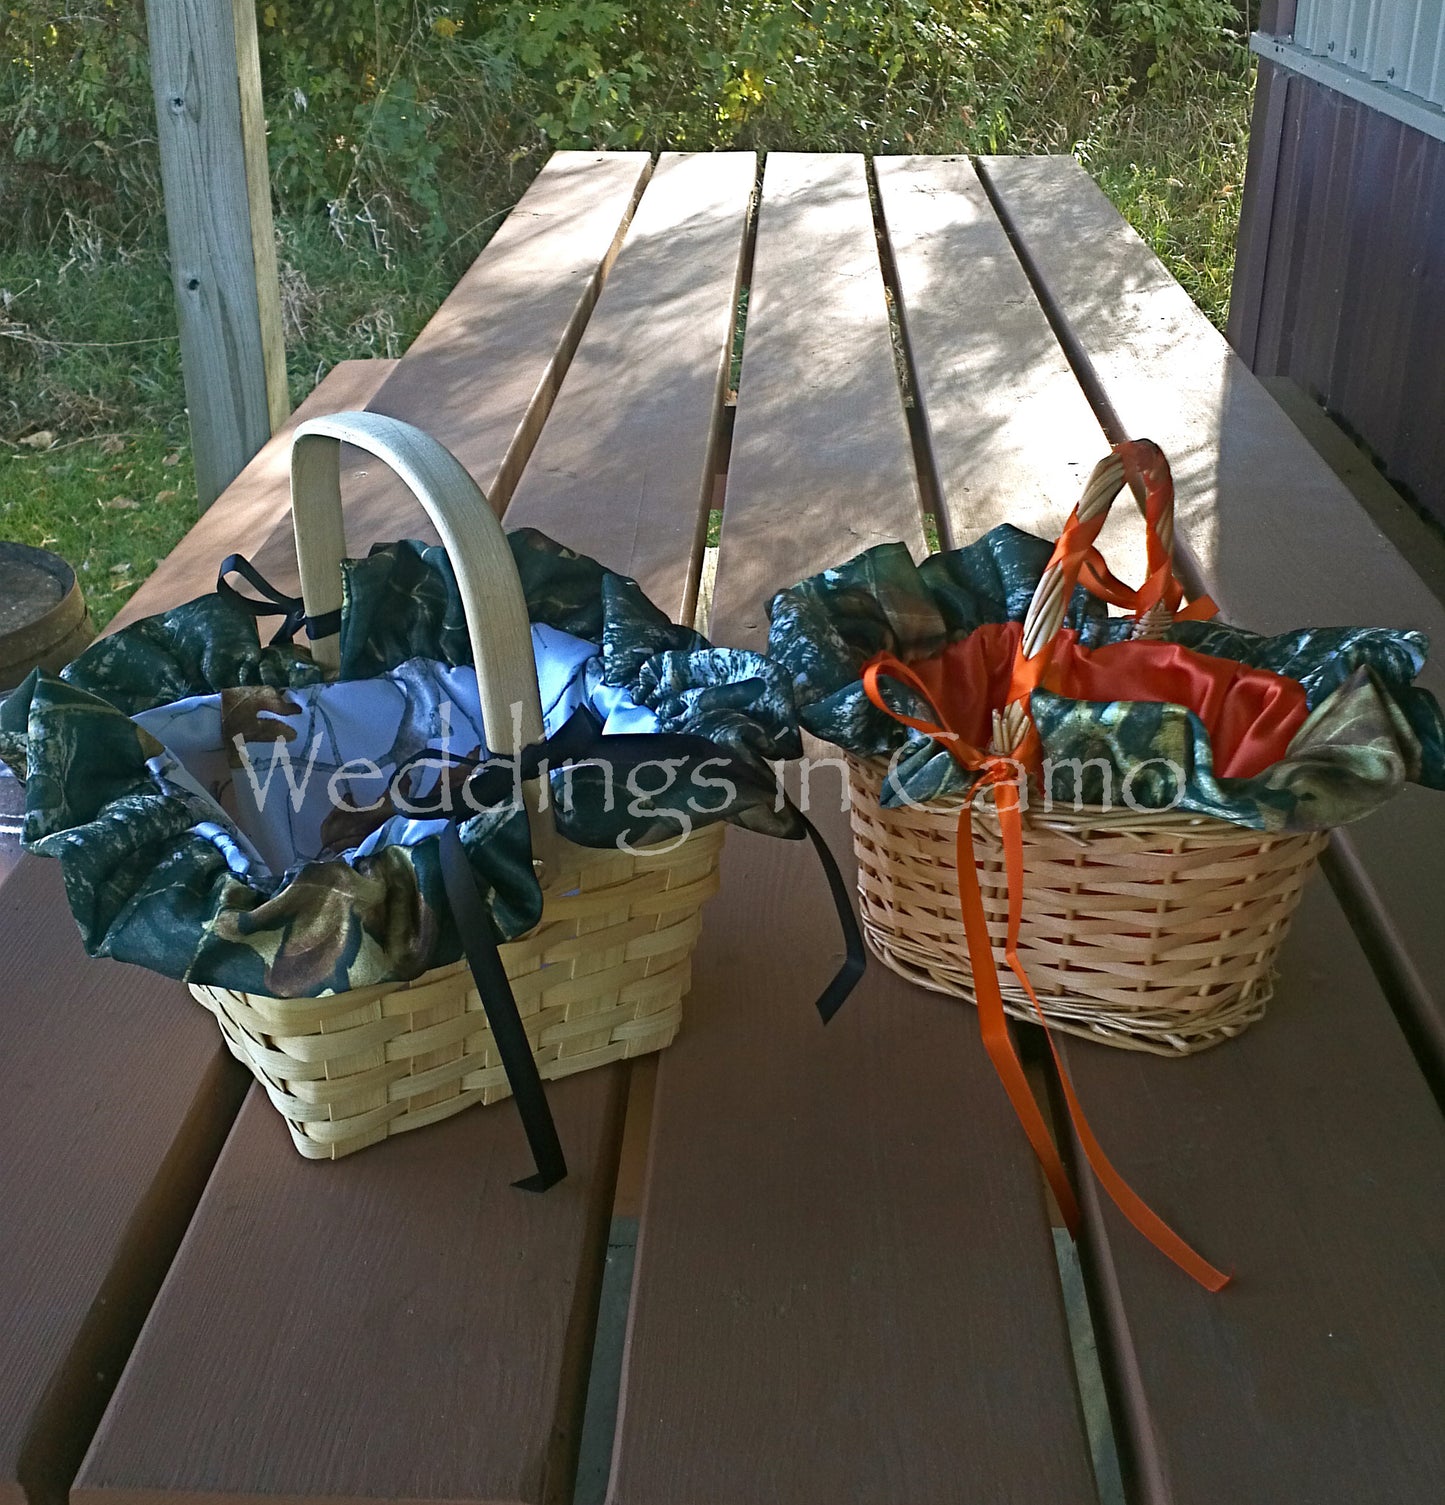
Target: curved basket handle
[
  {"x": 1157, "y": 602},
  {"x": 491, "y": 590}
]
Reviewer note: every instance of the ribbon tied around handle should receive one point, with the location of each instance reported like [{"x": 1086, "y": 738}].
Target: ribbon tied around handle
[
  {"x": 1140, "y": 463},
  {"x": 273, "y": 603}
]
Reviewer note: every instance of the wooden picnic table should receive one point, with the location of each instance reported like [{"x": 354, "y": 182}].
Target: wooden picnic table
[{"x": 843, "y": 1275}]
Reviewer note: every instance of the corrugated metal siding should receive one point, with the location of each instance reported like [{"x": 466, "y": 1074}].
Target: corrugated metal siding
[
  {"x": 1347, "y": 276},
  {"x": 1400, "y": 42}
]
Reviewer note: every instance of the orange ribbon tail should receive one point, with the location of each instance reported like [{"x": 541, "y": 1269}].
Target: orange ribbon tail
[{"x": 1004, "y": 775}]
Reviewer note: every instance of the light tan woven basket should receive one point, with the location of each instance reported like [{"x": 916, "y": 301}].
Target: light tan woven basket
[
  {"x": 601, "y": 978},
  {"x": 1153, "y": 931}
]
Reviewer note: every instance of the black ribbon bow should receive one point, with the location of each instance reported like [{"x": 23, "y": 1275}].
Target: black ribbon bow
[{"x": 275, "y": 603}]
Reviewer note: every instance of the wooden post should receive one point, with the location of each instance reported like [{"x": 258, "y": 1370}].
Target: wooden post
[{"x": 206, "y": 73}]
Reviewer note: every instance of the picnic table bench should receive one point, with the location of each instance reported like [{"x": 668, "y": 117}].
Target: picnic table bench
[{"x": 843, "y": 1275}]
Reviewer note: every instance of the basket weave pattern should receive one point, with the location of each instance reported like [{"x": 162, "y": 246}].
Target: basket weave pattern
[
  {"x": 600, "y": 979},
  {"x": 1152, "y": 931}
]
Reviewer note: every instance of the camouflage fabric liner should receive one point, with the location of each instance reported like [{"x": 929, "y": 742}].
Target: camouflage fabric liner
[
  {"x": 1370, "y": 729},
  {"x": 147, "y": 878}
]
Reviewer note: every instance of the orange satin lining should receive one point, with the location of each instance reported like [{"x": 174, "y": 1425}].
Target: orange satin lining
[
  {"x": 1251, "y": 715},
  {"x": 1003, "y": 775}
]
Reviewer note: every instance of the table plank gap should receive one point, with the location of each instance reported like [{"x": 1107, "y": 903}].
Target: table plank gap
[
  {"x": 1305, "y": 1155},
  {"x": 838, "y": 1296},
  {"x": 631, "y": 447},
  {"x": 1011, "y": 435},
  {"x": 934, "y": 524}
]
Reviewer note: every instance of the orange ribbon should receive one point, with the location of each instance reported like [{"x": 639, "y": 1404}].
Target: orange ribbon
[
  {"x": 1005, "y": 776},
  {"x": 1144, "y": 463}
]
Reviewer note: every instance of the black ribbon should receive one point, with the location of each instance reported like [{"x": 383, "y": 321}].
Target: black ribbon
[
  {"x": 479, "y": 942},
  {"x": 580, "y": 739},
  {"x": 275, "y": 603},
  {"x": 493, "y": 783}
]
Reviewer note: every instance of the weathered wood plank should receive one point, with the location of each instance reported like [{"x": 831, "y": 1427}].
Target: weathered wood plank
[
  {"x": 842, "y": 1294},
  {"x": 218, "y": 216},
  {"x": 1417, "y": 540},
  {"x": 1010, "y": 432},
  {"x": 119, "y": 1099},
  {"x": 487, "y": 366},
  {"x": 636, "y": 460},
  {"x": 417, "y": 1258},
  {"x": 1316, "y": 1371},
  {"x": 396, "y": 1326},
  {"x": 1279, "y": 540},
  {"x": 258, "y": 202}
]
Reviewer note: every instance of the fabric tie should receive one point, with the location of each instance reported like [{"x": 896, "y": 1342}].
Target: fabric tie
[
  {"x": 1004, "y": 775},
  {"x": 580, "y": 739},
  {"x": 275, "y": 603}
]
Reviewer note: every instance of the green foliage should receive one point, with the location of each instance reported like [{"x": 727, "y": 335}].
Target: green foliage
[
  {"x": 395, "y": 112},
  {"x": 74, "y": 108},
  {"x": 1176, "y": 36}
]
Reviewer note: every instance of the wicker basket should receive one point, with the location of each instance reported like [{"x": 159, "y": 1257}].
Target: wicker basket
[
  {"x": 603, "y": 975},
  {"x": 1154, "y": 931}
]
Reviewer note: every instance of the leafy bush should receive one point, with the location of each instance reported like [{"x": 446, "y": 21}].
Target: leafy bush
[
  {"x": 406, "y": 114},
  {"x": 1179, "y": 34},
  {"x": 76, "y": 129}
]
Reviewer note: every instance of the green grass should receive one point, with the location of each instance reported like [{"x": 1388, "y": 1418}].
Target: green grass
[
  {"x": 87, "y": 359},
  {"x": 114, "y": 508},
  {"x": 1174, "y": 166},
  {"x": 88, "y": 356}
]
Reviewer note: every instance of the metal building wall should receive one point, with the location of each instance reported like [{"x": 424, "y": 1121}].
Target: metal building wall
[
  {"x": 1401, "y": 42},
  {"x": 1340, "y": 269}
]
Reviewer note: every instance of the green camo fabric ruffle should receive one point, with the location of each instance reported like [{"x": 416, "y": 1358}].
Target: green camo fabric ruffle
[
  {"x": 1370, "y": 729},
  {"x": 146, "y": 886}
]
